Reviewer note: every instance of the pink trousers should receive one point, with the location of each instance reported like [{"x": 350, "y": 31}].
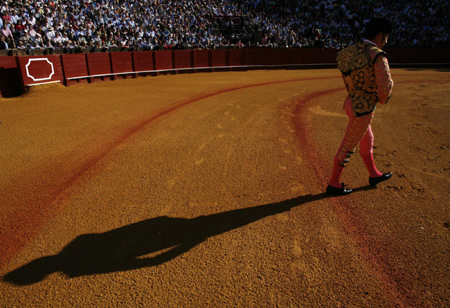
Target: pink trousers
[{"x": 359, "y": 131}]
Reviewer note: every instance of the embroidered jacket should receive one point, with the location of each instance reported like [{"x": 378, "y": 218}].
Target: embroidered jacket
[{"x": 366, "y": 79}]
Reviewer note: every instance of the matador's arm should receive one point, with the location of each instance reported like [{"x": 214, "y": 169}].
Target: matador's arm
[{"x": 383, "y": 79}]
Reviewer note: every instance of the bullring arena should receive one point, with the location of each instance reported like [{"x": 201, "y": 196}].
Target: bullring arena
[{"x": 207, "y": 190}]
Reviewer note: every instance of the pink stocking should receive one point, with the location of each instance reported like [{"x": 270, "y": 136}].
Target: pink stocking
[
  {"x": 356, "y": 129},
  {"x": 336, "y": 174},
  {"x": 366, "y": 151}
]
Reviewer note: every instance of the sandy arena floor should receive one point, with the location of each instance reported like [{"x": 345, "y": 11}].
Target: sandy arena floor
[{"x": 206, "y": 190}]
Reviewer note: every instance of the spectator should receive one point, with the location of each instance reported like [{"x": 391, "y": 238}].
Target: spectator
[
  {"x": 25, "y": 39},
  {"x": 219, "y": 23},
  {"x": 66, "y": 47},
  {"x": 32, "y": 32},
  {"x": 6, "y": 16},
  {"x": 57, "y": 39},
  {"x": 50, "y": 33},
  {"x": 35, "y": 46},
  {"x": 49, "y": 49},
  {"x": 19, "y": 26},
  {"x": 21, "y": 46},
  {"x": 3, "y": 43},
  {"x": 6, "y": 32}
]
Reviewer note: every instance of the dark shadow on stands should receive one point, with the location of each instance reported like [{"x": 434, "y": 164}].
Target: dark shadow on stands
[
  {"x": 9, "y": 82},
  {"x": 165, "y": 237}
]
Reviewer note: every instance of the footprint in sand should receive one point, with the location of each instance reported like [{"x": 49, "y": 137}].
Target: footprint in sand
[{"x": 199, "y": 162}]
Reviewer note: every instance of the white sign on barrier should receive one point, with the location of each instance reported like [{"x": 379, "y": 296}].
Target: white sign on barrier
[{"x": 39, "y": 59}]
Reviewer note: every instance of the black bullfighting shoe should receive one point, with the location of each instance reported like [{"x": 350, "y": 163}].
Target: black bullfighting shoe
[
  {"x": 338, "y": 191},
  {"x": 375, "y": 180}
]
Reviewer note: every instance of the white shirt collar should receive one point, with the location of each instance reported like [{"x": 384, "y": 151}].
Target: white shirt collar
[{"x": 370, "y": 42}]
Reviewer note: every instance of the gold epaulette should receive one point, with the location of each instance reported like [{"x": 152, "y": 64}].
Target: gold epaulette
[{"x": 352, "y": 58}]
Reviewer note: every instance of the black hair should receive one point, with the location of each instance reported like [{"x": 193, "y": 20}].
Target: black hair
[{"x": 377, "y": 25}]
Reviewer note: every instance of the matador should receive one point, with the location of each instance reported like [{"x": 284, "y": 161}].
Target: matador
[{"x": 365, "y": 71}]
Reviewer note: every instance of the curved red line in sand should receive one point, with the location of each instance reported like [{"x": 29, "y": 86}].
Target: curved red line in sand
[
  {"x": 24, "y": 225},
  {"x": 355, "y": 225}
]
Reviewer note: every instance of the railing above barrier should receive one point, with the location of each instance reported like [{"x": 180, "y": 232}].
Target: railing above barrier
[{"x": 19, "y": 72}]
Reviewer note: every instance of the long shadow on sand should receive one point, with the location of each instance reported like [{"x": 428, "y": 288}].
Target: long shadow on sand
[{"x": 126, "y": 248}]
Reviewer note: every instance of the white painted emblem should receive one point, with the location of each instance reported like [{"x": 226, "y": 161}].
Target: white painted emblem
[{"x": 39, "y": 59}]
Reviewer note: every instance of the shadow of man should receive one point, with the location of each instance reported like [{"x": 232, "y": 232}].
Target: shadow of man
[{"x": 126, "y": 248}]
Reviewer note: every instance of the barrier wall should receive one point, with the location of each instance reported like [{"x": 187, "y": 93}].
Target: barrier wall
[
  {"x": 144, "y": 62},
  {"x": 99, "y": 66},
  {"x": 183, "y": 61},
  {"x": 75, "y": 68},
  {"x": 122, "y": 64},
  {"x": 201, "y": 60},
  {"x": 164, "y": 61},
  {"x": 236, "y": 59},
  {"x": 9, "y": 77},
  {"x": 219, "y": 59},
  {"x": 40, "y": 70},
  {"x": 418, "y": 56},
  {"x": 17, "y": 73}
]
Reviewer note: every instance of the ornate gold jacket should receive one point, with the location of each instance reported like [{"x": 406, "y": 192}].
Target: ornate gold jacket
[{"x": 356, "y": 64}]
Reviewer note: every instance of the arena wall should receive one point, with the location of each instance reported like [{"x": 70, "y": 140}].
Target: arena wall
[
  {"x": 99, "y": 66},
  {"x": 144, "y": 62},
  {"x": 183, "y": 61},
  {"x": 75, "y": 68},
  {"x": 202, "y": 60},
  {"x": 19, "y": 72},
  {"x": 9, "y": 77},
  {"x": 122, "y": 64}
]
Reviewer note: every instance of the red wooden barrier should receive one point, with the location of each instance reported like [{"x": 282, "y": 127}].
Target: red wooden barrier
[
  {"x": 431, "y": 55},
  {"x": 296, "y": 57},
  {"x": 402, "y": 56},
  {"x": 10, "y": 82},
  {"x": 440, "y": 56},
  {"x": 220, "y": 60},
  {"x": 327, "y": 56},
  {"x": 99, "y": 66},
  {"x": 236, "y": 59},
  {"x": 40, "y": 70},
  {"x": 394, "y": 55},
  {"x": 410, "y": 56},
  {"x": 256, "y": 58},
  {"x": 122, "y": 64},
  {"x": 311, "y": 56},
  {"x": 183, "y": 61},
  {"x": 19, "y": 72},
  {"x": 164, "y": 61},
  {"x": 278, "y": 58},
  {"x": 75, "y": 68},
  {"x": 202, "y": 60},
  {"x": 144, "y": 62}
]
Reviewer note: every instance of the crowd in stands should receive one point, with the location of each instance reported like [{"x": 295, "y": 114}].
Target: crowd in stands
[{"x": 77, "y": 25}]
